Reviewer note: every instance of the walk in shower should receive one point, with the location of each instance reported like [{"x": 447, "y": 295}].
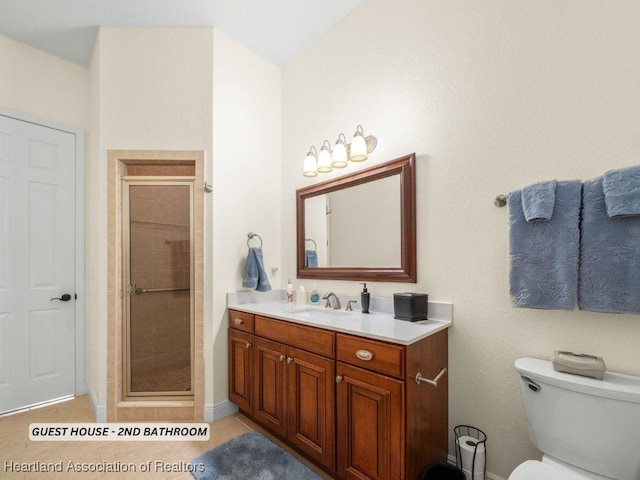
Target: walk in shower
[{"x": 158, "y": 268}]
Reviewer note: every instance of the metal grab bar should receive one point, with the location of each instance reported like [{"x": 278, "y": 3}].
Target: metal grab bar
[
  {"x": 139, "y": 291},
  {"x": 434, "y": 382}
]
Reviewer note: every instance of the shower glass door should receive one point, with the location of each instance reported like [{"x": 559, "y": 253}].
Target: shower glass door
[{"x": 158, "y": 265}]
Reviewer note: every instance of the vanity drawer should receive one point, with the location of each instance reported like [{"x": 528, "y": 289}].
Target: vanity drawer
[
  {"x": 315, "y": 340},
  {"x": 371, "y": 354},
  {"x": 241, "y": 321}
]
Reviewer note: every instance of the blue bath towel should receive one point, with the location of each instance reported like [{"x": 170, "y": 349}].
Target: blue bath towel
[
  {"x": 544, "y": 255},
  {"x": 255, "y": 276},
  {"x": 622, "y": 191},
  {"x": 538, "y": 201},
  {"x": 609, "y": 256},
  {"x": 311, "y": 258}
]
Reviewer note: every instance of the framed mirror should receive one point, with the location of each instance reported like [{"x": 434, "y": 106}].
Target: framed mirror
[{"x": 360, "y": 226}]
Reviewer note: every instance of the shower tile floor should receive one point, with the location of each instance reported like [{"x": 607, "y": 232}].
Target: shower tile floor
[
  {"x": 166, "y": 379},
  {"x": 15, "y": 446}
]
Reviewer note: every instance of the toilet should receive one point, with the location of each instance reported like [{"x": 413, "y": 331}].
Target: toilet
[{"x": 585, "y": 428}]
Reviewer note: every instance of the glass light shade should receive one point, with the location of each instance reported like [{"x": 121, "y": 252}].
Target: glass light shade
[
  {"x": 339, "y": 155},
  {"x": 324, "y": 160},
  {"x": 310, "y": 168},
  {"x": 358, "y": 148}
]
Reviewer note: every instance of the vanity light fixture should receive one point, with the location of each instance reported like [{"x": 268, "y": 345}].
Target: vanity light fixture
[
  {"x": 358, "y": 150},
  {"x": 324, "y": 158},
  {"x": 339, "y": 157},
  {"x": 325, "y": 161},
  {"x": 310, "y": 168}
]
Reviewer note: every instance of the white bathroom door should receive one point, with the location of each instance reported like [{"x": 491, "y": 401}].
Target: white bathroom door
[{"x": 37, "y": 264}]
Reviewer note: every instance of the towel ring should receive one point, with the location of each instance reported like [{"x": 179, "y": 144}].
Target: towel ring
[
  {"x": 250, "y": 235},
  {"x": 315, "y": 246}
]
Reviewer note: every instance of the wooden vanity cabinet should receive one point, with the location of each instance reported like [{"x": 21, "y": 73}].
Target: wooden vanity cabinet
[
  {"x": 240, "y": 369},
  {"x": 292, "y": 391},
  {"x": 370, "y": 425},
  {"x": 269, "y": 385},
  {"x": 311, "y": 405},
  {"x": 350, "y": 403}
]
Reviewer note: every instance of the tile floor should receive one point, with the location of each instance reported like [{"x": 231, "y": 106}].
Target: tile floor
[{"x": 15, "y": 445}]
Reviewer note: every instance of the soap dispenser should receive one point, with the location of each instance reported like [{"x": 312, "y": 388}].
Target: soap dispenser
[
  {"x": 315, "y": 297},
  {"x": 289, "y": 292},
  {"x": 364, "y": 298}
]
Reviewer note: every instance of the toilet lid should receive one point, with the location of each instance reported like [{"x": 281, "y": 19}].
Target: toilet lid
[{"x": 535, "y": 470}]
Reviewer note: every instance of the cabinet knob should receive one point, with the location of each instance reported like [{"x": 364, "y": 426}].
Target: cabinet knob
[
  {"x": 248, "y": 344},
  {"x": 289, "y": 360},
  {"x": 365, "y": 355},
  {"x": 338, "y": 378},
  {"x": 238, "y": 321},
  {"x": 281, "y": 357}
]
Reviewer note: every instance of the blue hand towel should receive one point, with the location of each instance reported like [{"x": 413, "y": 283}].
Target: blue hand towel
[
  {"x": 622, "y": 191},
  {"x": 311, "y": 257},
  {"x": 544, "y": 255},
  {"x": 538, "y": 201},
  {"x": 255, "y": 276},
  {"x": 609, "y": 256}
]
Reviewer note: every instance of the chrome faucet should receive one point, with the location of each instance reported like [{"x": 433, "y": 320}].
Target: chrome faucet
[{"x": 332, "y": 301}]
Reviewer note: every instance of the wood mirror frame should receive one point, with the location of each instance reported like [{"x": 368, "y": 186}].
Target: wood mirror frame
[{"x": 406, "y": 272}]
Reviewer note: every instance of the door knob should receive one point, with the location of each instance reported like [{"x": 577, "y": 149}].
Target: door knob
[{"x": 65, "y": 298}]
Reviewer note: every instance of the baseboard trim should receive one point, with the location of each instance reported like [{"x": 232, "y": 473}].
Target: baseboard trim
[
  {"x": 219, "y": 410},
  {"x": 451, "y": 459},
  {"x": 99, "y": 411}
]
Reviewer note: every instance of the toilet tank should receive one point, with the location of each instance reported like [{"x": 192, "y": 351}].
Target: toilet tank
[{"x": 588, "y": 423}]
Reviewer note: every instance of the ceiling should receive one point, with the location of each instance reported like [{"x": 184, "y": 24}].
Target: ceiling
[{"x": 277, "y": 30}]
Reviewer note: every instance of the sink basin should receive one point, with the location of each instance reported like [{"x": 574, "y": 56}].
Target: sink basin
[{"x": 317, "y": 314}]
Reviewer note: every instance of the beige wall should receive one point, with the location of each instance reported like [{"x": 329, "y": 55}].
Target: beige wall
[
  {"x": 157, "y": 88},
  {"x": 96, "y": 245},
  {"x": 491, "y": 96},
  {"x": 151, "y": 89},
  {"x": 42, "y": 84},
  {"x": 246, "y": 186}
]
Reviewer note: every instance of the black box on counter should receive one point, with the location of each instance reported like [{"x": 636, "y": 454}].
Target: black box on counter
[{"x": 411, "y": 306}]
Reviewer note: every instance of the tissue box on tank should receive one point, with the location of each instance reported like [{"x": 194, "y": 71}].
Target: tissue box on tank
[{"x": 411, "y": 306}]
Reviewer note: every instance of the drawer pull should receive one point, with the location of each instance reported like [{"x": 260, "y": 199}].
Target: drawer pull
[
  {"x": 434, "y": 382},
  {"x": 281, "y": 357},
  {"x": 365, "y": 355},
  {"x": 238, "y": 321}
]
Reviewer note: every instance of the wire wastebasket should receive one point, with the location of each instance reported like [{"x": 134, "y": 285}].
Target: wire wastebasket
[{"x": 471, "y": 451}]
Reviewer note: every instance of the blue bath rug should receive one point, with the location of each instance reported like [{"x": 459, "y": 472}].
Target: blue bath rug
[{"x": 249, "y": 457}]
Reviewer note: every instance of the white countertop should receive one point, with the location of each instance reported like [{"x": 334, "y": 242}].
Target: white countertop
[{"x": 380, "y": 326}]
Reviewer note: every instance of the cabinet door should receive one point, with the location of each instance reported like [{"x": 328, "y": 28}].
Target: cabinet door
[
  {"x": 370, "y": 433},
  {"x": 240, "y": 367},
  {"x": 269, "y": 404},
  {"x": 311, "y": 381}
]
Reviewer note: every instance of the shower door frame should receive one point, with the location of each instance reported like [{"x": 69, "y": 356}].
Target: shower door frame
[{"x": 128, "y": 181}]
